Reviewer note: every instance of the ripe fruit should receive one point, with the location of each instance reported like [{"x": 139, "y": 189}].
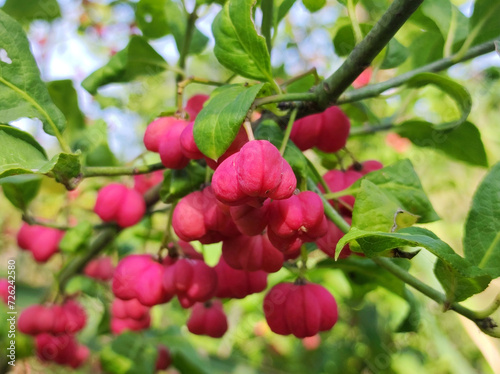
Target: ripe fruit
[
  {"x": 194, "y": 105},
  {"x": 100, "y": 268},
  {"x": 366, "y": 167},
  {"x": 328, "y": 242},
  {"x": 237, "y": 284},
  {"x": 139, "y": 277},
  {"x": 42, "y": 242},
  {"x": 338, "y": 180},
  {"x": 190, "y": 280},
  {"x": 258, "y": 170},
  {"x": 163, "y": 360},
  {"x": 4, "y": 290},
  {"x": 301, "y": 309},
  {"x": 250, "y": 220},
  {"x": 238, "y": 142},
  {"x": 156, "y": 130},
  {"x": 295, "y": 220},
  {"x": 129, "y": 315},
  {"x": 170, "y": 150},
  {"x": 143, "y": 182},
  {"x": 116, "y": 202},
  {"x": 198, "y": 216},
  {"x": 208, "y": 319},
  {"x": 252, "y": 253},
  {"x": 363, "y": 79},
  {"x": 188, "y": 145},
  {"x": 328, "y": 131}
]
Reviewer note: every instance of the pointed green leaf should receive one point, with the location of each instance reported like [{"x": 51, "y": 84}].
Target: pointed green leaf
[
  {"x": 314, "y": 5},
  {"x": 482, "y": 228},
  {"x": 220, "y": 119},
  {"x": 29, "y": 10},
  {"x": 20, "y": 190},
  {"x": 64, "y": 95},
  {"x": 20, "y": 153},
  {"x": 400, "y": 183},
  {"x": 65, "y": 167},
  {"x": 22, "y": 92},
  {"x": 238, "y": 47},
  {"x": 372, "y": 243},
  {"x": 395, "y": 55},
  {"x": 456, "y": 91},
  {"x": 137, "y": 59},
  {"x": 484, "y": 19},
  {"x": 462, "y": 143}
]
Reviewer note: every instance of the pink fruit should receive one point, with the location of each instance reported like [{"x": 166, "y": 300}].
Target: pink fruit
[
  {"x": 366, "y": 167},
  {"x": 238, "y": 284},
  {"x": 194, "y": 105},
  {"x": 188, "y": 145},
  {"x": 100, "y": 268},
  {"x": 143, "y": 182},
  {"x": 115, "y": 202},
  {"x": 42, "y": 242},
  {"x": 208, "y": 319},
  {"x": 250, "y": 220},
  {"x": 27, "y": 233},
  {"x": 80, "y": 356},
  {"x": 120, "y": 325},
  {"x": 76, "y": 316},
  {"x": 60, "y": 349},
  {"x": 252, "y": 253},
  {"x": 197, "y": 216},
  {"x": 300, "y": 309},
  {"x": 170, "y": 147},
  {"x": 338, "y": 180},
  {"x": 298, "y": 217},
  {"x": 240, "y": 140},
  {"x": 132, "y": 308},
  {"x": 156, "y": 130},
  {"x": 328, "y": 242},
  {"x": 363, "y": 79},
  {"x": 4, "y": 290},
  {"x": 35, "y": 320},
  {"x": 190, "y": 280},
  {"x": 328, "y": 131},
  {"x": 163, "y": 360}
]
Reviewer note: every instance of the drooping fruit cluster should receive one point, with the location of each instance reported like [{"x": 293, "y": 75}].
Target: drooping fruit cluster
[
  {"x": 55, "y": 327},
  {"x": 120, "y": 204},
  {"x": 328, "y": 131},
  {"x": 100, "y": 268},
  {"x": 208, "y": 319},
  {"x": 41, "y": 241}
]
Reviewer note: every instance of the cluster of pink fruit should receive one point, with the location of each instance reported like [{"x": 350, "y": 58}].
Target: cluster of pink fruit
[
  {"x": 41, "y": 241},
  {"x": 54, "y": 328}
]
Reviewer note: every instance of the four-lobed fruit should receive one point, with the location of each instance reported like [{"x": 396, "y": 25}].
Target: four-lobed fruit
[
  {"x": 144, "y": 182},
  {"x": 296, "y": 220},
  {"x": 328, "y": 131},
  {"x": 198, "y": 216},
  {"x": 41, "y": 241},
  {"x": 139, "y": 277},
  {"x": 252, "y": 253},
  {"x": 191, "y": 280},
  {"x": 302, "y": 309},
  {"x": 100, "y": 268},
  {"x": 208, "y": 319},
  {"x": 129, "y": 315},
  {"x": 61, "y": 349},
  {"x": 328, "y": 242},
  {"x": 257, "y": 171},
  {"x": 121, "y": 204},
  {"x": 237, "y": 284}
]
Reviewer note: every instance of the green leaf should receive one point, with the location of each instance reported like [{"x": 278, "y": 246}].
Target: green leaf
[
  {"x": 179, "y": 183},
  {"x": 101, "y": 155},
  {"x": 314, "y": 5},
  {"x": 137, "y": 59},
  {"x": 81, "y": 283},
  {"x": 462, "y": 143},
  {"x": 281, "y": 8},
  {"x": 344, "y": 40},
  {"x": 395, "y": 55},
  {"x": 65, "y": 167},
  {"x": 185, "y": 364},
  {"x": 151, "y": 18},
  {"x": 484, "y": 19},
  {"x": 303, "y": 84},
  {"x": 220, "y": 119},
  {"x": 64, "y": 95},
  {"x": 76, "y": 238},
  {"x": 482, "y": 228},
  {"x": 20, "y": 152},
  {"x": 22, "y": 92},
  {"x": 28, "y": 10},
  {"x": 456, "y": 91},
  {"x": 269, "y": 130},
  {"x": 129, "y": 353},
  {"x": 372, "y": 243},
  {"x": 457, "y": 286},
  {"x": 238, "y": 47},
  {"x": 20, "y": 190},
  {"x": 400, "y": 183}
]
